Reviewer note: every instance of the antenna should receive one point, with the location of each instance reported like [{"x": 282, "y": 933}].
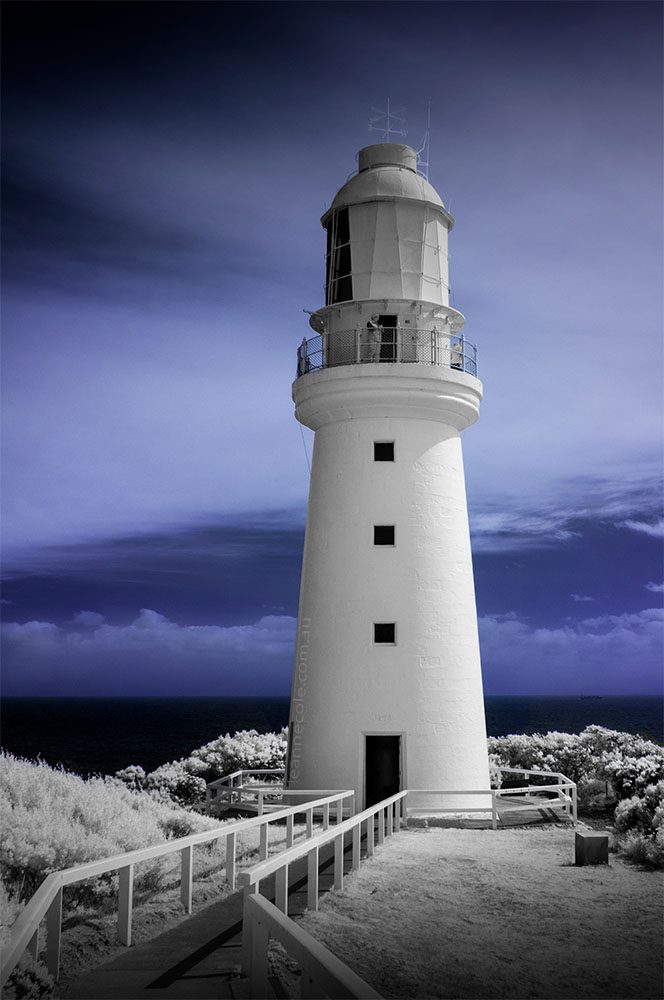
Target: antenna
[
  {"x": 423, "y": 151},
  {"x": 387, "y": 128}
]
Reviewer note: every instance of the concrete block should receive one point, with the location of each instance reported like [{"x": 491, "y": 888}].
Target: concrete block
[{"x": 591, "y": 848}]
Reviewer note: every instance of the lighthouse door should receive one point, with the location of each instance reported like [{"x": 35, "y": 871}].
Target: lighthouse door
[
  {"x": 388, "y": 345},
  {"x": 382, "y": 775}
]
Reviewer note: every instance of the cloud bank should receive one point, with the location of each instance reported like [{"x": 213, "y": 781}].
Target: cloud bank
[{"x": 606, "y": 654}]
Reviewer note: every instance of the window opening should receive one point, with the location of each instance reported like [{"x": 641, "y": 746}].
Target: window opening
[
  {"x": 383, "y": 534},
  {"x": 385, "y": 633},
  {"x": 383, "y": 451},
  {"x": 338, "y": 266}
]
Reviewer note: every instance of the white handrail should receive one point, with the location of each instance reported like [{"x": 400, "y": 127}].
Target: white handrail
[
  {"x": 389, "y": 813},
  {"x": 323, "y": 974},
  {"x": 47, "y": 900}
]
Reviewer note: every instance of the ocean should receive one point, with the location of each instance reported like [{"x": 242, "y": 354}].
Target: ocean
[{"x": 102, "y": 735}]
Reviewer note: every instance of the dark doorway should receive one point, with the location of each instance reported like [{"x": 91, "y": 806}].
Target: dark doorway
[
  {"x": 388, "y": 339},
  {"x": 382, "y": 768}
]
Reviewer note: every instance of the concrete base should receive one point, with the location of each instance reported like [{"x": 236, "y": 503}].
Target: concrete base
[{"x": 591, "y": 848}]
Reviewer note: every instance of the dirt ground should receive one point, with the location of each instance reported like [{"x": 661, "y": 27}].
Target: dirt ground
[{"x": 478, "y": 914}]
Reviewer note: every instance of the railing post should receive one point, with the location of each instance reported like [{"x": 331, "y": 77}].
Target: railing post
[
  {"x": 247, "y": 930},
  {"x": 230, "y": 859},
  {"x": 263, "y": 848},
  {"x": 54, "y": 934},
  {"x": 381, "y": 826},
  {"x": 340, "y": 811},
  {"x": 33, "y": 946},
  {"x": 312, "y": 879},
  {"x": 310, "y": 823},
  {"x": 574, "y": 804},
  {"x": 326, "y": 816},
  {"x": 186, "y": 877},
  {"x": 125, "y": 903},
  {"x": 356, "y": 846},
  {"x": 339, "y": 862},
  {"x": 370, "y": 835},
  {"x": 494, "y": 810},
  {"x": 281, "y": 889},
  {"x": 289, "y": 830},
  {"x": 260, "y": 803},
  {"x": 259, "y": 986}
]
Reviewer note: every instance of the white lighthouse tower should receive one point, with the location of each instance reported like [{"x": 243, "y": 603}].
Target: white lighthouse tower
[{"x": 387, "y": 687}]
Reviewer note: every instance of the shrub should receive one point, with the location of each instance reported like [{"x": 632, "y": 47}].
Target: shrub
[
  {"x": 50, "y": 819},
  {"x": 184, "y": 781}
]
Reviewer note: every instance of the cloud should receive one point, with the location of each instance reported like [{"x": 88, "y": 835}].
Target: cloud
[
  {"x": 579, "y": 598},
  {"x": 561, "y": 513},
  {"x": 607, "y": 654},
  {"x": 87, "y": 619},
  {"x": 655, "y": 530},
  {"x": 151, "y": 653},
  {"x": 656, "y": 588}
]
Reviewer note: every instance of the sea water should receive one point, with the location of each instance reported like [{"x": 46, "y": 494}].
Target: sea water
[{"x": 102, "y": 735}]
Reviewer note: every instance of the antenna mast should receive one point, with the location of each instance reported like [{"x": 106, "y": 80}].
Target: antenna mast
[
  {"x": 387, "y": 128},
  {"x": 423, "y": 151}
]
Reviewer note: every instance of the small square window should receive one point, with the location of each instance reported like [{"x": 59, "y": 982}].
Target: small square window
[
  {"x": 385, "y": 633},
  {"x": 383, "y": 534},
  {"x": 383, "y": 451}
]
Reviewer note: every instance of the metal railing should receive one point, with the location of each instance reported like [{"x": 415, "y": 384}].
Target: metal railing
[
  {"x": 46, "y": 903},
  {"x": 385, "y": 345}
]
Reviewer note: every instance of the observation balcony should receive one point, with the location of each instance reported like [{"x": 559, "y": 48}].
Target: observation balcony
[{"x": 387, "y": 345}]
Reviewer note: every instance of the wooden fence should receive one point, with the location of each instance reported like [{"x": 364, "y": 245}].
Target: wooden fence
[{"x": 46, "y": 903}]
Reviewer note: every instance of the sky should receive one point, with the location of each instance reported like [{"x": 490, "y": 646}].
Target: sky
[{"x": 165, "y": 168}]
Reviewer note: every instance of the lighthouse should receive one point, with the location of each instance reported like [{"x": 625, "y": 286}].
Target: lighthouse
[{"x": 387, "y": 686}]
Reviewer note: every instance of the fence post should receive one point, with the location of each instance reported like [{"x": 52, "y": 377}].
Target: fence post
[
  {"x": 289, "y": 830},
  {"x": 381, "y": 826},
  {"x": 247, "y": 930},
  {"x": 33, "y": 946},
  {"x": 258, "y": 982},
  {"x": 370, "y": 835},
  {"x": 494, "y": 810},
  {"x": 339, "y": 861},
  {"x": 186, "y": 877},
  {"x": 260, "y": 803},
  {"x": 230, "y": 859},
  {"x": 340, "y": 811},
  {"x": 326, "y": 816},
  {"x": 574, "y": 803},
  {"x": 312, "y": 879},
  {"x": 281, "y": 889},
  {"x": 263, "y": 849},
  {"x": 356, "y": 846},
  {"x": 125, "y": 903},
  {"x": 53, "y": 935}
]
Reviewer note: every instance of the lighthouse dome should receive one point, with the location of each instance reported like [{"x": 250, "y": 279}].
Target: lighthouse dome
[{"x": 387, "y": 170}]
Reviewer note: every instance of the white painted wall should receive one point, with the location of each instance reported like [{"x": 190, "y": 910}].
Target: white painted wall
[{"x": 428, "y": 687}]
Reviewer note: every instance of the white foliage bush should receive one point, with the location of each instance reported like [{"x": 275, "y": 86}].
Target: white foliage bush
[
  {"x": 51, "y": 819},
  {"x": 184, "y": 781},
  {"x": 611, "y": 769}
]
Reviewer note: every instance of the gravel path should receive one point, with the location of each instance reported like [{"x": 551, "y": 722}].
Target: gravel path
[{"x": 479, "y": 914}]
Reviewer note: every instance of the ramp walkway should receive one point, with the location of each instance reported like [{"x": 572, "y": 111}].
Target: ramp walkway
[{"x": 199, "y": 958}]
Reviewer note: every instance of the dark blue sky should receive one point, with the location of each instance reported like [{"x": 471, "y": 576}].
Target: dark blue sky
[{"x": 165, "y": 168}]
